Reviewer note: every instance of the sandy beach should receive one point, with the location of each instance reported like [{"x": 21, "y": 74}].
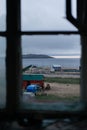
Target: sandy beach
[{"x": 63, "y": 90}]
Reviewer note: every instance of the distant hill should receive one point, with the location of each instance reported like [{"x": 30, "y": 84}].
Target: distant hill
[{"x": 35, "y": 56}]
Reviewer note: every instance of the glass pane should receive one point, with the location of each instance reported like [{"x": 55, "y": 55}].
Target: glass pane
[
  {"x": 2, "y": 15},
  {"x": 52, "y": 63},
  {"x": 2, "y": 72},
  {"x": 46, "y": 15}
]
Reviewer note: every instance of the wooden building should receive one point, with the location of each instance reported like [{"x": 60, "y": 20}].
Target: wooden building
[{"x": 33, "y": 79}]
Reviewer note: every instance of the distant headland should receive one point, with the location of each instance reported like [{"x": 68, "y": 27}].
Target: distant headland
[{"x": 36, "y": 56}]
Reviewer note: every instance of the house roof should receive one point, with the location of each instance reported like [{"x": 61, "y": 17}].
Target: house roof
[{"x": 33, "y": 77}]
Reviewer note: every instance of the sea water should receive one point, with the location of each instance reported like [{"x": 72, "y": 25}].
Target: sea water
[{"x": 64, "y": 62}]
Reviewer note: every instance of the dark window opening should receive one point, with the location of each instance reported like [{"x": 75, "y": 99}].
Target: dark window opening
[
  {"x": 14, "y": 109},
  {"x": 47, "y": 56}
]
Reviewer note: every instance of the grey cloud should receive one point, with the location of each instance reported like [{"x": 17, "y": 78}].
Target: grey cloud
[
  {"x": 51, "y": 44},
  {"x": 44, "y": 15}
]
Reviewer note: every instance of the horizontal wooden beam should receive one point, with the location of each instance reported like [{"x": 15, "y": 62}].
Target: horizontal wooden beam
[
  {"x": 4, "y": 33},
  {"x": 48, "y": 32}
]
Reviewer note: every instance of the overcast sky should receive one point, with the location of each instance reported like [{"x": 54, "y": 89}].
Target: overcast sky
[{"x": 44, "y": 15}]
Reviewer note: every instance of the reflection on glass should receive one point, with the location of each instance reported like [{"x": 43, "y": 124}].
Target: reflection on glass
[
  {"x": 45, "y": 15},
  {"x": 2, "y": 15},
  {"x": 51, "y": 68},
  {"x": 2, "y": 73}
]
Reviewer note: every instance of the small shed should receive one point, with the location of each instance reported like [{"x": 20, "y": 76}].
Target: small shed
[
  {"x": 56, "y": 67},
  {"x": 33, "y": 79}
]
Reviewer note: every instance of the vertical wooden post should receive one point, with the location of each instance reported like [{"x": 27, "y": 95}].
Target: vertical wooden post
[
  {"x": 84, "y": 68},
  {"x": 13, "y": 59},
  {"x": 81, "y": 23},
  {"x": 82, "y": 20}
]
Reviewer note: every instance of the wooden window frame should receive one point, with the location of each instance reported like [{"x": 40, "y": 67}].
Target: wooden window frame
[{"x": 13, "y": 35}]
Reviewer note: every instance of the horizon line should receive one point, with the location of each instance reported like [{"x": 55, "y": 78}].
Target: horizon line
[{"x": 66, "y": 56}]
